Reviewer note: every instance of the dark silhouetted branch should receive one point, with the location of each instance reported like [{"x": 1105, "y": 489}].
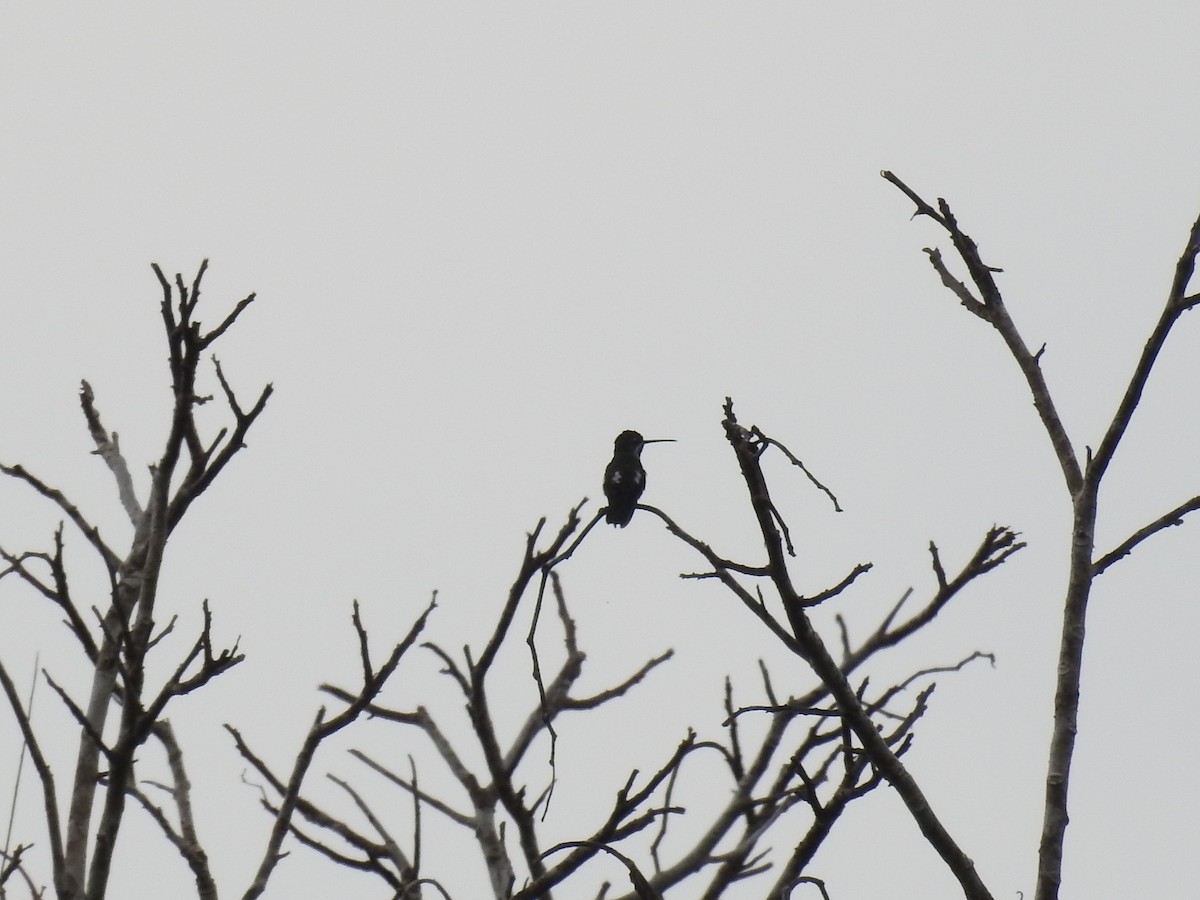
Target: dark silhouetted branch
[{"x": 1167, "y": 520}]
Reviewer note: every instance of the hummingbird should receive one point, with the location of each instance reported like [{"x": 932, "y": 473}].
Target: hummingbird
[{"x": 625, "y": 479}]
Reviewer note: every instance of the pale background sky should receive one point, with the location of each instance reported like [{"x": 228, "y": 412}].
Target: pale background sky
[{"x": 485, "y": 239}]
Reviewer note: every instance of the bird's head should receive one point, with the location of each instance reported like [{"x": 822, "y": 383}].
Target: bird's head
[{"x": 632, "y": 442}]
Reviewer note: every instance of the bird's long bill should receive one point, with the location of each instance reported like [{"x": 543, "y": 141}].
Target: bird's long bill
[{"x": 659, "y": 441}]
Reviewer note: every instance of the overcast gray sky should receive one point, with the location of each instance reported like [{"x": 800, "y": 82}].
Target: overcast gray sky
[{"x": 485, "y": 239}]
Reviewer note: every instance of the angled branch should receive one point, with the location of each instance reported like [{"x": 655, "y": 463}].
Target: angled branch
[
  {"x": 79, "y": 715},
  {"x": 45, "y": 775},
  {"x": 989, "y": 305},
  {"x": 1082, "y": 574},
  {"x": 828, "y": 593},
  {"x": 618, "y": 826},
  {"x": 419, "y": 796},
  {"x": 92, "y": 534},
  {"x": 810, "y": 647},
  {"x": 386, "y": 847},
  {"x": 619, "y": 690},
  {"x": 321, "y": 729},
  {"x": 1176, "y": 304},
  {"x": 997, "y": 546},
  {"x": 59, "y": 594},
  {"x": 795, "y": 461},
  {"x": 1167, "y": 520},
  {"x": 109, "y": 450},
  {"x": 210, "y": 667},
  {"x": 208, "y": 339},
  {"x": 958, "y": 288},
  {"x": 636, "y": 878}
]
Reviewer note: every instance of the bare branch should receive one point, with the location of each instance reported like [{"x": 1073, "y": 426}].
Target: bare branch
[
  {"x": 92, "y": 534},
  {"x": 210, "y": 667},
  {"x": 12, "y": 862},
  {"x": 997, "y": 546},
  {"x": 923, "y": 208},
  {"x": 1082, "y": 573},
  {"x": 990, "y": 306},
  {"x": 1167, "y": 520},
  {"x": 960, "y": 290},
  {"x": 808, "y": 645},
  {"x": 79, "y": 715},
  {"x": 636, "y": 878},
  {"x": 441, "y": 806},
  {"x": 108, "y": 449},
  {"x": 181, "y": 792},
  {"x": 953, "y": 667},
  {"x": 450, "y": 667},
  {"x": 210, "y": 338},
  {"x": 320, "y": 730},
  {"x": 818, "y": 599},
  {"x": 1175, "y": 305},
  {"x": 618, "y": 690},
  {"x": 796, "y": 462},
  {"x": 59, "y": 593},
  {"x": 45, "y": 775},
  {"x": 407, "y": 871},
  {"x": 808, "y": 879}
]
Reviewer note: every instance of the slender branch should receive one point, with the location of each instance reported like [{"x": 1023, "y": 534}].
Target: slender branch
[
  {"x": 619, "y": 690},
  {"x": 829, "y": 593},
  {"x": 181, "y": 793},
  {"x": 1082, "y": 574},
  {"x": 210, "y": 667},
  {"x": 795, "y": 461},
  {"x": 45, "y": 776},
  {"x": 407, "y": 871},
  {"x": 808, "y": 644},
  {"x": 996, "y": 547},
  {"x": 990, "y": 306},
  {"x": 111, "y": 561},
  {"x": 321, "y": 729},
  {"x": 108, "y": 448},
  {"x": 643, "y": 888},
  {"x": 1175, "y": 305},
  {"x": 441, "y": 806},
  {"x": 1083, "y": 485},
  {"x": 1167, "y": 520},
  {"x": 208, "y": 339},
  {"x": 533, "y": 562}
]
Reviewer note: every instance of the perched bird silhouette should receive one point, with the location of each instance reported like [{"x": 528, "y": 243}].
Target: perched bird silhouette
[{"x": 625, "y": 479}]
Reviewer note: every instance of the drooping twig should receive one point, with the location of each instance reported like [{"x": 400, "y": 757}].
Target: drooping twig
[{"x": 795, "y": 461}]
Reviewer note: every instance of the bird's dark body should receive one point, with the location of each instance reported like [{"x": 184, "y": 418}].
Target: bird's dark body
[{"x": 625, "y": 479}]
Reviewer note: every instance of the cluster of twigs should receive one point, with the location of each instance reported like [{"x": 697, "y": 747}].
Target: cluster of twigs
[{"x": 819, "y": 752}]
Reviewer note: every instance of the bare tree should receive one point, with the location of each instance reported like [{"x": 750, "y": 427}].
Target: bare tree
[
  {"x": 118, "y": 640},
  {"x": 117, "y": 646},
  {"x": 1083, "y": 479},
  {"x": 788, "y": 779}
]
